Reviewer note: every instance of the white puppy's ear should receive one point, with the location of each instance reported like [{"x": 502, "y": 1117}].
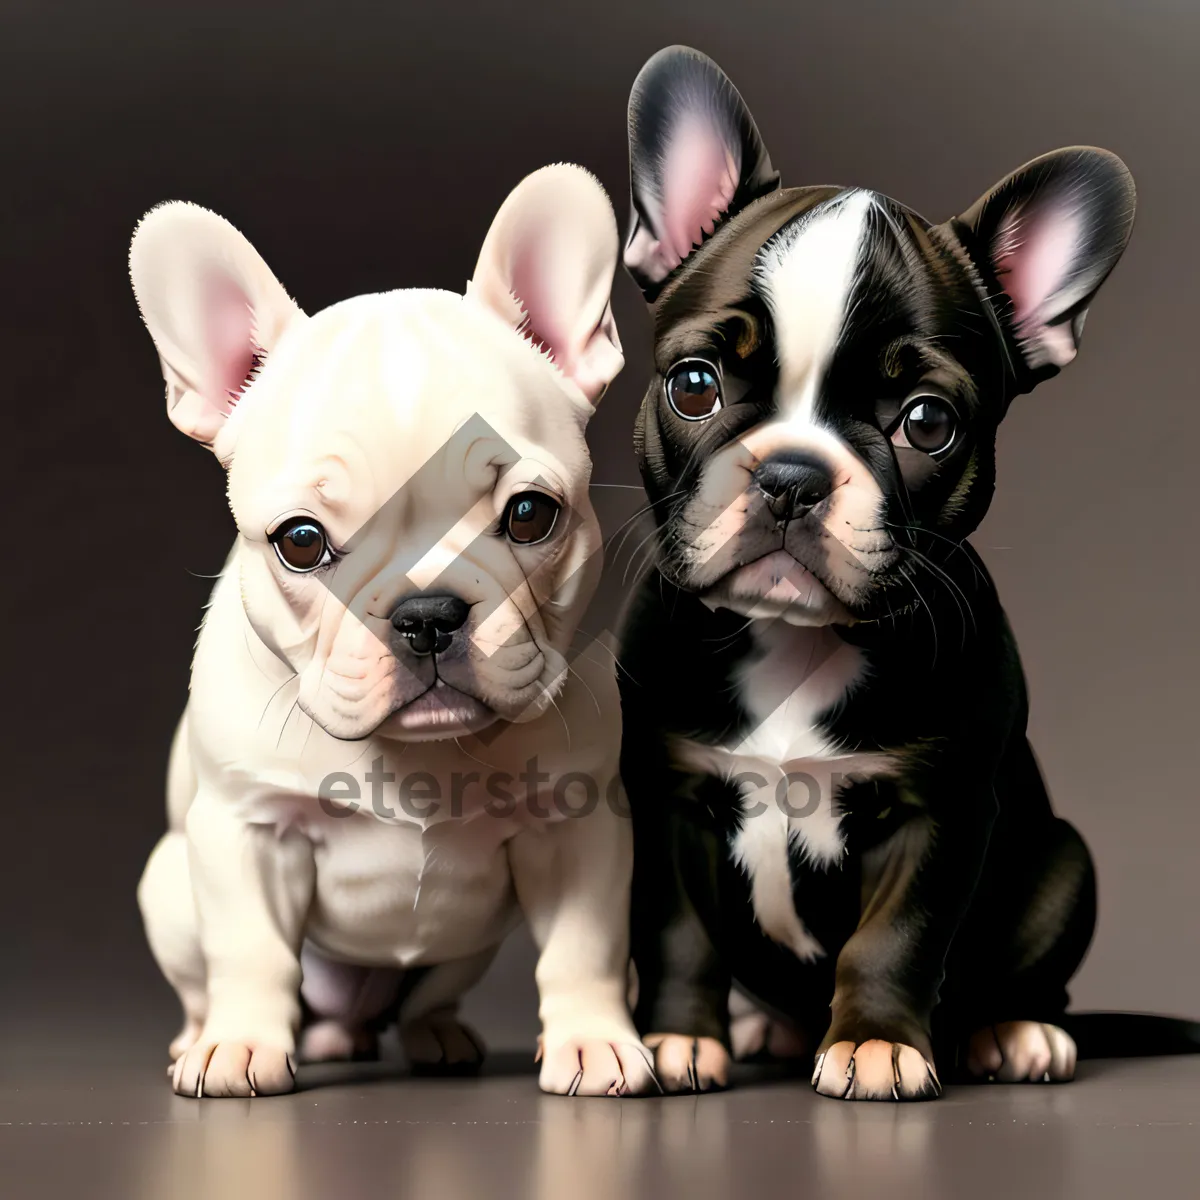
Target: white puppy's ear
[
  {"x": 1046, "y": 238},
  {"x": 547, "y": 267},
  {"x": 212, "y": 307}
]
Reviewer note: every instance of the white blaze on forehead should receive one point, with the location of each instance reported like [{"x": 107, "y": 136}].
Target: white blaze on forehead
[{"x": 806, "y": 275}]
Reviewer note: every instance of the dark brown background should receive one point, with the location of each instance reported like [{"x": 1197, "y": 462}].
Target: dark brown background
[{"x": 364, "y": 147}]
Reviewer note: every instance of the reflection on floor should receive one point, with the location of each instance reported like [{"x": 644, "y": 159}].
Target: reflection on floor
[{"x": 1122, "y": 1129}]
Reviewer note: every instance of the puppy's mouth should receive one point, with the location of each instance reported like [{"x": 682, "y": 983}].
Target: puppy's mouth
[
  {"x": 777, "y": 585},
  {"x": 441, "y": 711}
]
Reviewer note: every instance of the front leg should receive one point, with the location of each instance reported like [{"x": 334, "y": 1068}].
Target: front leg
[
  {"x": 917, "y": 886},
  {"x": 572, "y": 880},
  {"x": 683, "y": 981},
  {"x": 253, "y": 887}
]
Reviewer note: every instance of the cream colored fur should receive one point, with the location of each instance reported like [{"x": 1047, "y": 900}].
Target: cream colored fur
[{"x": 403, "y": 422}]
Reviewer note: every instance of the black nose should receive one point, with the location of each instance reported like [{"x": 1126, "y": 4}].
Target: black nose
[
  {"x": 429, "y": 621},
  {"x": 793, "y": 483}
]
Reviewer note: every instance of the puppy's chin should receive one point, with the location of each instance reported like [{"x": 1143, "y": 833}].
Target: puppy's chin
[
  {"x": 439, "y": 713},
  {"x": 776, "y": 586}
]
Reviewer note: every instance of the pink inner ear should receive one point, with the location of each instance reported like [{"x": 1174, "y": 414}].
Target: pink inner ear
[
  {"x": 533, "y": 287},
  {"x": 568, "y": 314},
  {"x": 229, "y": 329},
  {"x": 700, "y": 174},
  {"x": 546, "y": 269},
  {"x": 1034, "y": 255}
]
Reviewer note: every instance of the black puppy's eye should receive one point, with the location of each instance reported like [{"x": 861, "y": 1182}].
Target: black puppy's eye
[
  {"x": 927, "y": 424},
  {"x": 694, "y": 389},
  {"x": 530, "y": 517},
  {"x": 302, "y": 545}
]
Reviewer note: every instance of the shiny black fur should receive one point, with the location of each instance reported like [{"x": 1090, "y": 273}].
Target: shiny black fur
[{"x": 961, "y": 899}]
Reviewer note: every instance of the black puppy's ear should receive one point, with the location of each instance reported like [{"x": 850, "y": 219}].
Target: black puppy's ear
[
  {"x": 1046, "y": 238},
  {"x": 695, "y": 157}
]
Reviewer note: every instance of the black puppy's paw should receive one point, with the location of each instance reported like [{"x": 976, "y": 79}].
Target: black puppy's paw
[
  {"x": 875, "y": 1070},
  {"x": 757, "y": 1037},
  {"x": 333, "y": 1041},
  {"x": 440, "y": 1044},
  {"x": 1022, "y": 1052},
  {"x": 689, "y": 1064}
]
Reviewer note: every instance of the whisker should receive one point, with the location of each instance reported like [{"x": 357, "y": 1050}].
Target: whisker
[
  {"x": 641, "y": 512},
  {"x": 367, "y": 745},
  {"x": 563, "y": 719},
  {"x": 640, "y": 546},
  {"x": 928, "y": 611},
  {"x": 645, "y": 565},
  {"x": 283, "y": 727},
  {"x": 934, "y": 569},
  {"x": 921, "y": 562},
  {"x": 612, "y": 654},
  {"x": 311, "y": 726},
  {"x": 275, "y": 693},
  {"x": 584, "y": 684},
  {"x": 468, "y": 754},
  {"x": 959, "y": 546},
  {"x": 737, "y": 633}
]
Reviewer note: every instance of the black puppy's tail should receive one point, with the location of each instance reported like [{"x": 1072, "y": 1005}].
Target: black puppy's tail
[{"x": 1131, "y": 1035}]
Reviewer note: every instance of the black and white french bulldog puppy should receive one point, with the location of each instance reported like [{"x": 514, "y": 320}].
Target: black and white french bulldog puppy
[{"x": 835, "y": 804}]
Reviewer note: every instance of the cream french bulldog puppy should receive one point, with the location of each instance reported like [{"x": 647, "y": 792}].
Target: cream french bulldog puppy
[{"x": 385, "y": 757}]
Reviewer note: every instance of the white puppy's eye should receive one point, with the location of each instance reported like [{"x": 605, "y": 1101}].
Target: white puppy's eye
[
  {"x": 530, "y": 517},
  {"x": 302, "y": 545},
  {"x": 927, "y": 423},
  {"x": 693, "y": 389}
]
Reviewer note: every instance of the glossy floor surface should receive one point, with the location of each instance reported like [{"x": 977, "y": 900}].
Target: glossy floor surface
[{"x": 113, "y": 1131}]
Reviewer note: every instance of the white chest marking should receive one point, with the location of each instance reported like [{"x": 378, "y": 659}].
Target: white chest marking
[{"x": 788, "y": 771}]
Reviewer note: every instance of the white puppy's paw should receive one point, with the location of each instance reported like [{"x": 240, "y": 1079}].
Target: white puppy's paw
[
  {"x": 233, "y": 1068},
  {"x": 875, "y": 1070},
  {"x": 689, "y": 1064},
  {"x": 440, "y": 1044},
  {"x": 595, "y": 1067},
  {"x": 185, "y": 1039},
  {"x": 1022, "y": 1052}
]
